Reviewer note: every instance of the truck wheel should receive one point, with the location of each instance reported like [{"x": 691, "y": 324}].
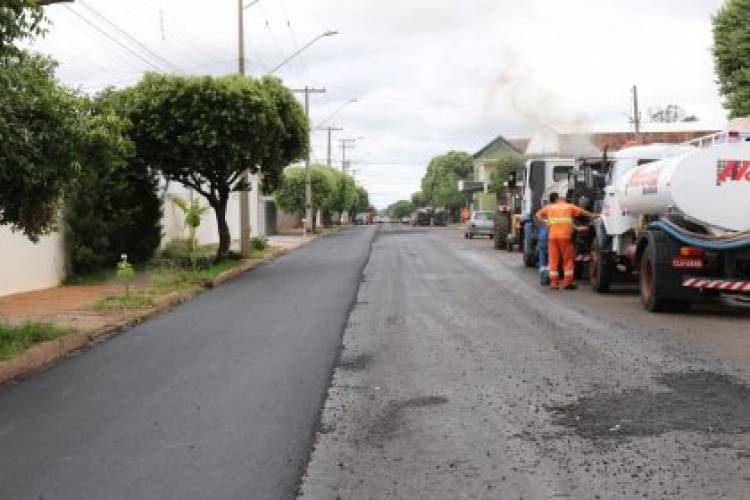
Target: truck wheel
[
  {"x": 501, "y": 230},
  {"x": 600, "y": 269},
  {"x": 649, "y": 285}
]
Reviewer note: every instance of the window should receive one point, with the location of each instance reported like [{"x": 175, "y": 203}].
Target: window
[
  {"x": 483, "y": 216},
  {"x": 560, "y": 173}
]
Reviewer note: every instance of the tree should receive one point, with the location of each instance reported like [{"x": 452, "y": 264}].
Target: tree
[
  {"x": 440, "y": 182},
  {"x": 344, "y": 198},
  {"x": 39, "y": 126},
  {"x": 205, "y": 132},
  {"x": 505, "y": 164},
  {"x": 732, "y": 55},
  {"x": 671, "y": 113},
  {"x": 400, "y": 209},
  {"x": 417, "y": 199},
  {"x": 291, "y": 192},
  {"x": 363, "y": 201},
  {"x": 19, "y": 20},
  {"x": 112, "y": 206}
]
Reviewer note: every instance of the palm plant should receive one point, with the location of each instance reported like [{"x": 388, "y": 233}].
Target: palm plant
[{"x": 193, "y": 212}]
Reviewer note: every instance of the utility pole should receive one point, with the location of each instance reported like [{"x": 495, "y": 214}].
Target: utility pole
[
  {"x": 636, "y": 115},
  {"x": 330, "y": 132},
  {"x": 345, "y": 144},
  {"x": 245, "y": 179},
  {"x": 308, "y": 175}
]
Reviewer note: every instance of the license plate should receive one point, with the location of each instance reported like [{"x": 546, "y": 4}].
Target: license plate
[{"x": 687, "y": 263}]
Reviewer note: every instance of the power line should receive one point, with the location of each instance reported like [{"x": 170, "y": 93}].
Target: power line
[
  {"x": 129, "y": 37},
  {"x": 113, "y": 39}
]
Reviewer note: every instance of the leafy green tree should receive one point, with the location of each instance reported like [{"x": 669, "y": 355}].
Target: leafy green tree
[
  {"x": 505, "y": 164},
  {"x": 344, "y": 198},
  {"x": 39, "y": 126},
  {"x": 205, "y": 132},
  {"x": 401, "y": 208},
  {"x": 19, "y": 20},
  {"x": 291, "y": 192},
  {"x": 363, "y": 201},
  {"x": 732, "y": 55},
  {"x": 417, "y": 200},
  {"x": 440, "y": 182},
  {"x": 112, "y": 206}
]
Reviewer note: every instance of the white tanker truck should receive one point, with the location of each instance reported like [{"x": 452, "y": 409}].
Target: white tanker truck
[{"x": 678, "y": 217}]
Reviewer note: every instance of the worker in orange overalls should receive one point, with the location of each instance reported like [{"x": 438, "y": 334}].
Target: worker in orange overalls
[{"x": 558, "y": 216}]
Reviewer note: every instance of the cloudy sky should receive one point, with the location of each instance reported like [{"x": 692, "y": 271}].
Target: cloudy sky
[{"x": 428, "y": 75}]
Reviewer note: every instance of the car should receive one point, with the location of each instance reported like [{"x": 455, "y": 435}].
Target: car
[
  {"x": 405, "y": 220},
  {"x": 480, "y": 223}
]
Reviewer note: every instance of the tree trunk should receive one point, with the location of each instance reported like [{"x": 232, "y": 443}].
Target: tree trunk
[{"x": 225, "y": 237}]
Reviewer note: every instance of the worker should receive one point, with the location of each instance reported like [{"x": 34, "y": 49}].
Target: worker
[
  {"x": 543, "y": 237},
  {"x": 558, "y": 216}
]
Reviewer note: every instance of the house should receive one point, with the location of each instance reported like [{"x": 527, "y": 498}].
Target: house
[{"x": 485, "y": 161}]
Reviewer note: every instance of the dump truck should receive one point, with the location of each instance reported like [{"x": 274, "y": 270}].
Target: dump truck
[{"x": 675, "y": 217}]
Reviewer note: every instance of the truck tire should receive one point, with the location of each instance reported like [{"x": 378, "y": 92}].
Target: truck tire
[
  {"x": 501, "y": 230},
  {"x": 529, "y": 248},
  {"x": 650, "y": 286},
  {"x": 600, "y": 269}
]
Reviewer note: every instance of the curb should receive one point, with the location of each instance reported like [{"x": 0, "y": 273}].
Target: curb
[{"x": 43, "y": 356}]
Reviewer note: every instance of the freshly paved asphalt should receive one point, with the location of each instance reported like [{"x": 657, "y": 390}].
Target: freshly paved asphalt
[{"x": 218, "y": 399}]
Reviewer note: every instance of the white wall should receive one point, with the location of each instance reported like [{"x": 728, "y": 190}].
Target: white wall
[
  {"x": 208, "y": 232},
  {"x": 25, "y": 266}
]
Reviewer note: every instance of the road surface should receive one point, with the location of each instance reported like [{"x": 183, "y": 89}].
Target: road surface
[
  {"x": 218, "y": 399},
  {"x": 462, "y": 378}
]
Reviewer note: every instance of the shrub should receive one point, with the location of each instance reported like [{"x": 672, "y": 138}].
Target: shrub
[
  {"x": 259, "y": 244},
  {"x": 178, "y": 254},
  {"x": 112, "y": 207}
]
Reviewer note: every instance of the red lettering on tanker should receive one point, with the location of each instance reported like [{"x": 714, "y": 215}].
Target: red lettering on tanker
[
  {"x": 647, "y": 178},
  {"x": 732, "y": 171}
]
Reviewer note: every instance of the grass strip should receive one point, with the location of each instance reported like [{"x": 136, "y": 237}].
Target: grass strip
[{"x": 15, "y": 339}]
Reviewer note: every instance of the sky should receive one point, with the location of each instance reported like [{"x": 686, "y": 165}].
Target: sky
[{"x": 428, "y": 76}]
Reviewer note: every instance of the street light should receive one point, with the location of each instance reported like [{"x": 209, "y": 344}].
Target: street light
[
  {"x": 301, "y": 49},
  {"x": 335, "y": 112}
]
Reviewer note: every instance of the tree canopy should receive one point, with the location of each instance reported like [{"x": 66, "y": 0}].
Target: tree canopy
[
  {"x": 333, "y": 191},
  {"x": 112, "y": 206},
  {"x": 205, "y": 132},
  {"x": 440, "y": 182},
  {"x": 19, "y": 20},
  {"x": 732, "y": 55},
  {"x": 505, "y": 164},
  {"x": 401, "y": 208},
  {"x": 39, "y": 126}
]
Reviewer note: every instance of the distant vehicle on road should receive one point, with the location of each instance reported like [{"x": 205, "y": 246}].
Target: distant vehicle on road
[
  {"x": 405, "y": 220},
  {"x": 480, "y": 223}
]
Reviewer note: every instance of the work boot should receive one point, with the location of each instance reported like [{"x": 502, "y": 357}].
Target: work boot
[{"x": 571, "y": 286}]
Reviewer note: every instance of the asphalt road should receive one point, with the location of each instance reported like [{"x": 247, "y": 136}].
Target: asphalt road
[
  {"x": 218, "y": 399},
  {"x": 462, "y": 378}
]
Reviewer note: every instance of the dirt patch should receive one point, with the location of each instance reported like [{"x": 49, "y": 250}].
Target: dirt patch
[
  {"x": 699, "y": 401},
  {"x": 355, "y": 363},
  {"x": 387, "y": 422}
]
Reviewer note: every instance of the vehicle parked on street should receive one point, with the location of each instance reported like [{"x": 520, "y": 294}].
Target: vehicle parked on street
[
  {"x": 405, "y": 220},
  {"x": 676, "y": 216},
  {"x": 479, "y": 224}
]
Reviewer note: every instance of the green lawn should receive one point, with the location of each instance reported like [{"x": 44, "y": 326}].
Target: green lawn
[{"x": 15, "y": 339}]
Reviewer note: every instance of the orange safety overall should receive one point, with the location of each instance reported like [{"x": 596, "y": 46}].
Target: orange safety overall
[{"x": 559, "y": 217}]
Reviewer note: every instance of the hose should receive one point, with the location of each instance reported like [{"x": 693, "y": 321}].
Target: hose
[{"x": 735, "y": 241}]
